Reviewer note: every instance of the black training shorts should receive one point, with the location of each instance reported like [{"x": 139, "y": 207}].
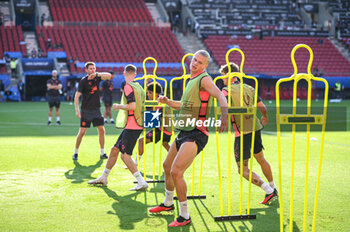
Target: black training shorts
[
  {"x": 149, "y": 135},
  {"x": 88, "y": 116},
  {"x": 195, "y": 135},
  {"x": 54, "y": 101},
  {"x": 127, "y": 140},
  {"x": 107, "y": 100},
  {"x": 247, "y": 142}
]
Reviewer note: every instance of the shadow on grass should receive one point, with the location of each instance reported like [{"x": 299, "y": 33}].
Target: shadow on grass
[
  {"x": 267, "y": 219},
  {"x": 221, "y": 225},
  {"x": 270, "y": 218},
  {"x": 80, "y": 172},
  {"x": 128, "y": 209}
]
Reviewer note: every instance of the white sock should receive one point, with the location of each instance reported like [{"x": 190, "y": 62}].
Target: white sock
[
  {"x": 111, "y": 120},
  {"x": 57, "y": 119},
  {"x": 50, "y": 119},
  {"x": 169, "y": 197},
  {"x": 139, "y": 177},
  {"x": 267, "y": 188},
  {"x": 102, "y": 151},
  {"x": 272, "y": 184},
  {"x": 184, "y": 210},
  {"x": 76, "y": 151},
  {"x": 105, "y": 119},
  {"x": 106, "y": 173}
]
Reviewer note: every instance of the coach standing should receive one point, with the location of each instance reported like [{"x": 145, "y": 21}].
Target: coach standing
[
  {"x": 90, "y": 106},
  {"x": 54, "y": 87},
  {"x": 107, "y": 91}
]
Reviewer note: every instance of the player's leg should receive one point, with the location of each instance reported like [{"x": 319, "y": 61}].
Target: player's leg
[
  {"x": 168, "y": 203},
  {"x": 256, "y": 179},
  {"x": 141, "y": 146},
  {"x": 112, "y": 160},
  {"x": 149, "y": 137},
  {"x": 259, "y": 156},
  {"x": 167, "y": 164},
  {"x": 81, "y": 133},
  {"x": 183, "y": 160},
  {"x": 141, "y": 183},
  {"x": 109, "y": 113},
  {"x": 50, "y": 115},
  {"x": 265, "y": 166},
  {"x": 166, "y": 145},
  {"x": 50, "y": 111},
  {"x": 127, "y": 145},
  {"x": 58, "y": 120},
  {"x": 101, "y": 139},
  {"x": 105, "y": 114}
]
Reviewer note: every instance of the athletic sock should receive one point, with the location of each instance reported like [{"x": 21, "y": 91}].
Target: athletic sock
[
  {"x": 76, "y": 150},
  {"x": 267, "y": 188},
  {"x": 272, "y": 184},
  {"x": 106, "y": 173},
  {"x": 50, "y": 119},
  {"x": 102, "y": 151},
  {"x": 139, "y": 178},
  {"x": 57, "y": 119},
  {"x": 184, "y": 210},
  {"x": 169, "y": 197}
]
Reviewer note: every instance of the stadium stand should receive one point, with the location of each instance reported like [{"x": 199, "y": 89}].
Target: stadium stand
[
  {"x": 99, "y": 11},
  {"x": 244, "y": 15},
  {"x": 11, "y": 36},
  {"x": 341, "y": 11},
  {"x": 121, "y": 45},
  {"x": 271, "y": 55}
]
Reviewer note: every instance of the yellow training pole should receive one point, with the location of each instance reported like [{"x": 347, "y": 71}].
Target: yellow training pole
[
  {"x": 200, "y": 174},
  {"x": 278, "y": 127},
  {"x": 184, "y": 78},
  {"x": 218, "y": 155},
  {"x": 241, "y": 110},
  {"x": 294, "y": 119},
  {"x": 154, "y": 104},
  {"x": 307, "y": 153},
  {"x": 321, "y": 150},
  {"x": 160, "y": 149},
  {"x": 293, "y": 157}
]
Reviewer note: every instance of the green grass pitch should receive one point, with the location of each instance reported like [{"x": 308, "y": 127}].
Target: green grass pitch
[{"x": 42, "y": 189}]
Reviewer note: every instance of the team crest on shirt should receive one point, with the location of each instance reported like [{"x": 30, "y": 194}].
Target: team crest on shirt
[{"x": 151, "y": 119}]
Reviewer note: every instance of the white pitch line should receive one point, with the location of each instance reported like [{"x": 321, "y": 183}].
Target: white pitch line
[{"x": 36, "y": 124}]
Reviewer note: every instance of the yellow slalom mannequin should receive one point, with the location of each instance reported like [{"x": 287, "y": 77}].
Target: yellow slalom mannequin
[
  {"x": 152, "y": 103},
  {"x": 184, "y": 78},
  {"x": 236, "y": 111},
  {"x": 300, "y": 119}
]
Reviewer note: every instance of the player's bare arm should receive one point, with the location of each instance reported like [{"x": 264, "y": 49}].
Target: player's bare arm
[
  {"x": 208, "y": 85},
  {"x": 103, "y": 75},
  {"x": 76, "y": 104},
  {"x": 264, "y": 118},
  {"x": 173, "y": 104},
  {"x": 130, "y": 106}
]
